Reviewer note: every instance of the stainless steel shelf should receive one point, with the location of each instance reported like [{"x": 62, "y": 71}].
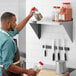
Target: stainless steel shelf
[{"x": 68, "y": 26}]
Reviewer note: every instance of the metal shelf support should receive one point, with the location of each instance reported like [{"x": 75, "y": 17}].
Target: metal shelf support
[
  {"x": 68, "y": 26},
  {"x": 37, "y": 29}
]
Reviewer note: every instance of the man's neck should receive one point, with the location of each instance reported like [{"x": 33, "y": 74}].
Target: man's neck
[{"x": 4, "y": 28}]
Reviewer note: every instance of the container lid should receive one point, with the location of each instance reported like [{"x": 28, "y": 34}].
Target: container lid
[
  {"x": 58, "y": 7},
  {"x": 33, "y": 8},
  {"x": 54, "y": 6},
  {"x": 66, "y": 3},
  {"x": 41, "y": 63}
]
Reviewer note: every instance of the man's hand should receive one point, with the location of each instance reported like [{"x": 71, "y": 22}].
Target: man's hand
[
  {"x": 31, "y": 72},
  {"x": 31, "y": 13},
  {"x": 21, "y": 25},
  {"x": 67, "y": 74}
]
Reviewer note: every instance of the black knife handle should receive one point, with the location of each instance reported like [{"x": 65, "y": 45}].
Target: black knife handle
[
  {"x": 65, "y": 57},
  {"x": 53, "y": 57},
  {"x": 58, "y": 56},
  {"x": 45, "y": 53}
]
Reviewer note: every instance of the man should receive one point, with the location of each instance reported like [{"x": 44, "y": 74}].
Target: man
[{"x": 7, "y": 45}]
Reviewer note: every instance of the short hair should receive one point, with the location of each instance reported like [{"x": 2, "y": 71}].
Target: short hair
[{"x": 7, "y": 16}]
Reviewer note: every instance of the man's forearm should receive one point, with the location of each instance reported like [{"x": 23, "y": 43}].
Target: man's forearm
[
  {"x": 18, "y": 70},
  {"x": 21, "y": 25}
]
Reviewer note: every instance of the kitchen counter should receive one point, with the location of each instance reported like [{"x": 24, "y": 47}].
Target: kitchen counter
[
  {"x": 44, "y": 72},
  {"x": 53, "y": 67},
  {"x": 72, "y": 71},
  {"x": 49, "y": 70}
]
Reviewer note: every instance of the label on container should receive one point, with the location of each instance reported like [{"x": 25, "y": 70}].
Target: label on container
[
  {"x": 61, "y": 17},
  {"x": 56, "y": 16}
]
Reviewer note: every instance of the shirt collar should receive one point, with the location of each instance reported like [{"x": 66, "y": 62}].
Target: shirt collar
[{"x": 6, "y": 31}]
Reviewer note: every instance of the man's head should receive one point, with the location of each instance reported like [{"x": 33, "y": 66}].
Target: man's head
[{"x": 8, "y": 21}]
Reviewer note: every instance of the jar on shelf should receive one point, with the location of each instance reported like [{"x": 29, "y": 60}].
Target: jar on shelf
[
  {"x": 37, "y": 14},
  {"x": 67, "y": 5},
  {"x": 57, "y": 13},
  {"x": 53, "y": 13},
  {"x": 65, "y": 12}
]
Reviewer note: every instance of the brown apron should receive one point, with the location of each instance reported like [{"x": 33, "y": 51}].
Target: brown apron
[{"x": 16, "y": 58}]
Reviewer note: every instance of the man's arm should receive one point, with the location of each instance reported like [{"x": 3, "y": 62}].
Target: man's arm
[
  {"x": 18, "y": 70},
  {"x": 21, "y": 25},
  {"x": 7, "y": 59}
]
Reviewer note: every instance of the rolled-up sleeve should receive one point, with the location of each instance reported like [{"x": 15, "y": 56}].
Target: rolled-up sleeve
[
  {"x": 13, "y": 33},
  {"x": 8, "y": 52}
]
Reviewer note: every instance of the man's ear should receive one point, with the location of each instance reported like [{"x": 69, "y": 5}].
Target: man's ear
[{"x": 8, "y": 23}]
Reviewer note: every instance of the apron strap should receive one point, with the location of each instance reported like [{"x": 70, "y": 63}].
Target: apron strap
[{"x": 1, "y": 66}]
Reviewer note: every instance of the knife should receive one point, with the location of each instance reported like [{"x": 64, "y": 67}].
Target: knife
[
  {"x": 65, "y": 54},
  {"x": 59, "y": 50},
  {"x": 55, "y": 48}
]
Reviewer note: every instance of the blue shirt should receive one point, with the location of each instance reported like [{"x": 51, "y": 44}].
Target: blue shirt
[{"x": 7, "y": 49}]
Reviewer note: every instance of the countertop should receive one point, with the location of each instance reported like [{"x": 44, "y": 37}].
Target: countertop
[
  {"x": 72, "y": 71},
  {"x": 50, "y": 69},
  {"x": 44, "y": 72},
  {"x": 53, "y": 67}
]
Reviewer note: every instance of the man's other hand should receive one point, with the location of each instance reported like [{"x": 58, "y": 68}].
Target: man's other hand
[
  {"x": 31, "y": 72},
  {"x": 67, "y": 74}
]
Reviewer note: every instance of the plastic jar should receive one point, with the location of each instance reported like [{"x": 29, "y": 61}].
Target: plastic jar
[
  {"x": 38, "y": 67},
  {"x": 65, "y": 12},
  {"x": 37, "y": 14},
  {"x": 57, "y": 13},
  {"x": 53, "y": 13}
]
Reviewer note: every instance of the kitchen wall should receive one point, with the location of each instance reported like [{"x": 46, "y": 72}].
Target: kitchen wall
[
  {"x": 34, "y": 50},
  {"x": 22, "y": 34}
]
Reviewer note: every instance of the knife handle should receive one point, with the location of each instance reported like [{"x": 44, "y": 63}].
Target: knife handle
[
  {"x": 65, "y": 57},
  {"x": 45, "y": 53},
  {"x": 53, "y": 57},
  {"x": 58, "y": 56}
]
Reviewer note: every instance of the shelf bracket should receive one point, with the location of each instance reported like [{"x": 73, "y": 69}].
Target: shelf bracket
[
  {"x": 69, "y": 28},
  {"x": 37, "y": 29}
]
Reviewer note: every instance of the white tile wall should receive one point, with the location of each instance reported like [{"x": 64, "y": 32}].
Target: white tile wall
[
  {"x": 22, "y": 34},
  {"x": 34, "y": 49}
]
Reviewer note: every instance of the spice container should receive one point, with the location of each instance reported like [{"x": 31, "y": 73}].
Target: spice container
[
  {"x": 37, "y": 14},
  {"x": 53, "y": 13},
  {"x": 57, "y": 13},
  {"x": 65, "y": 12},
  {"x": 38, "y": 67},
  {"x": 66, "y": 5}
]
